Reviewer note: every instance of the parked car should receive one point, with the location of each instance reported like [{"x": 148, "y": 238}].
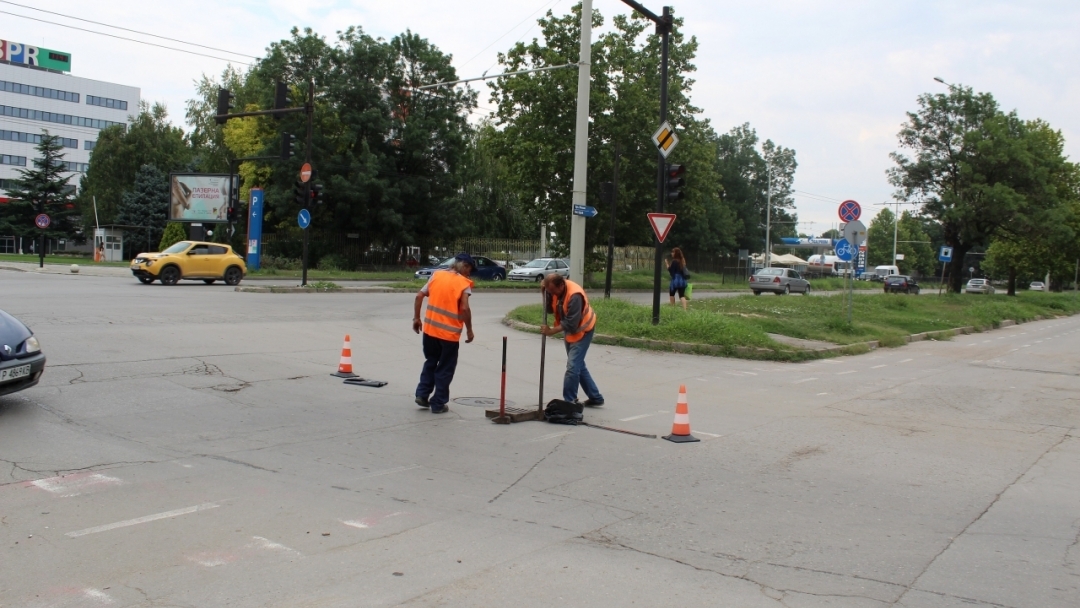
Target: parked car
[
  {"x": 486, "y": 269},
  {"x": 901, "y": 283},
  {"x": 780, "y": 281},
  {"x": 1037, "y": 286},
  {"x": 539, "y": 268},
  {"x": 195, "y": 260},
  {"x": 979, "y": 286},
  {"x": 21, "y": 359}
]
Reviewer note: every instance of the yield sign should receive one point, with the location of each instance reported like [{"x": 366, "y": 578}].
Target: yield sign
[{"x": 661, "y": 224}]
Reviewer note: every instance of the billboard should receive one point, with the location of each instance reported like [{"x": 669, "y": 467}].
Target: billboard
[
  {"x": 199, "y": 197},
  {"x": 17, "y": 52}
]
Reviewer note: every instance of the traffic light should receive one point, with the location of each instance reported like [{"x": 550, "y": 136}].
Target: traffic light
[
  {"x": 317, "y": 194},
  {"x": 281, "y": 98},
  {"x": 675, "y": 182},
  {"x": 224, "y": 104},
  {"x": 288, "y": 145},
  {"x": 301, "y": 193},
  {"x": 231, "y": 214}
]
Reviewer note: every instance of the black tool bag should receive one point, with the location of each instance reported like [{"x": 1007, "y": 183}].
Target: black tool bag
[{"x": 563, "y": 412}]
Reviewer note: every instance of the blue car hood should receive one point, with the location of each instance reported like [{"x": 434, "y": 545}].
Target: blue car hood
[{"x": 12, "y": 331}]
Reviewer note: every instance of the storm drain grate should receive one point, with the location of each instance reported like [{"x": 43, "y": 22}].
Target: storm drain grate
[{"x": 481, "y": 401}]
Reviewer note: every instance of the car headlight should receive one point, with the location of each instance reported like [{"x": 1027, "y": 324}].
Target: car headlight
[{"x": 32, "y": 345}]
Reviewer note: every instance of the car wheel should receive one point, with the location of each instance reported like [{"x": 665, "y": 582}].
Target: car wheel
[
  {"x": 209, "y": 281},
  {"x": 806, "y": 291},
  {"x": 757, "y": 293},
  {"x": 146, "y": 280},
  {"x": 787, "y": 290},
  {"x": 497, "y": 277},
  {"x": 233, "y": 276},
  {"x": 170, "y": 276},
  {"x": 539, "y": 278}
]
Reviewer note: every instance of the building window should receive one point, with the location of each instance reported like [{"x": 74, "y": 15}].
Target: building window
[
  {"x": 25, "y": 89},
  {"x": 67, "y": 165},
  {"x": 89, "y": 145},
  {"x": 105, "y": 102},
  {"x": 8, "y": 184},
  {"x": 33, "y": 138},
  {"x": 64, "y": 119},
  {"x": 7, "y": 159}
]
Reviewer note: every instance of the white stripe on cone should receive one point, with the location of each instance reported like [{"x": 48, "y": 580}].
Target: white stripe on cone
[{"x": 682, "y": 418}]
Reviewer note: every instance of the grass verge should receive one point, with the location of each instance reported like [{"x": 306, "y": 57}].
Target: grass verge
[
  {"x": 736, "y": 324},
  {"x": 57, "y": 259}
]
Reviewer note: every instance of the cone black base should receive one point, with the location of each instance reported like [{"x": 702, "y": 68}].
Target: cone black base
[
  {"x": 681, "y": 438},
  {"x": 344, "y": 375}
]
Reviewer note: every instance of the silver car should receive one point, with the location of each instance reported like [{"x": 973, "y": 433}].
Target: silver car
[
  {"x": 780, "y": 281},
  {"x": 979, "y": 286},
  {"x": 539, "y": 268}
]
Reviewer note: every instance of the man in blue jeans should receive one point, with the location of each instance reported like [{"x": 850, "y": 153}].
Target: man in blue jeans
[{"x": 576, "y": 319}]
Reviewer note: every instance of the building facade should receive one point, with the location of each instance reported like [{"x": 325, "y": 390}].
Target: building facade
[{"x": 37, "y": 94}]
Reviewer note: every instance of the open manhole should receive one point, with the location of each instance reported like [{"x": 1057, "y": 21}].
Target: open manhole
[{"x": 481, "y": 401}]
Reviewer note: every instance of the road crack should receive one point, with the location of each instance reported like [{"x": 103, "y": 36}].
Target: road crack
[{"x": 507, "y": 489}]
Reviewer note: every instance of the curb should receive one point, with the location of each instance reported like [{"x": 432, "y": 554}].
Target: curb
[{"x": 274, "y": 289}]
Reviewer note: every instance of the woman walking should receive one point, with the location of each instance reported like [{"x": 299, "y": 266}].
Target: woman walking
[{"x": 677, "y": 269}]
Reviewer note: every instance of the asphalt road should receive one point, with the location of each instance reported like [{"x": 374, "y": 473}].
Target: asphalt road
[{"x": 188, "y": 447}]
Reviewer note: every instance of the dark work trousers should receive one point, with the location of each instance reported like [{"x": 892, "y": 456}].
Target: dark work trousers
[{"x": 440, "y": 361}]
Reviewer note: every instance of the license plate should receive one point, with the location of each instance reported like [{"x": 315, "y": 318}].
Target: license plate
[{"x": 14, "y": 373}]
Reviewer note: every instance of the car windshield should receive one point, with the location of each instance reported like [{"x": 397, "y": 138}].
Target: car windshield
[
  {"x": 1037, "y": 284},
  {"x": 770, "y": 272},
  {"x": 541, "y": 263},
  {"x": 976, "y": 282},
  {"x": 448, "y": 262},
  {"x": 177, "y": 248}
]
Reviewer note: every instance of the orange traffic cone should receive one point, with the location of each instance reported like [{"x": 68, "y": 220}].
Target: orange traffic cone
[
  {"x": 680, "y": 429},
  {"x": 344, "y": 368}
]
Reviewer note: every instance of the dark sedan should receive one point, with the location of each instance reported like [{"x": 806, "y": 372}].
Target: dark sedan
[
  {"x": 486, "y": 269},
  {"x": 21, "y": 359},
  {"x": 899, "y": 283}
]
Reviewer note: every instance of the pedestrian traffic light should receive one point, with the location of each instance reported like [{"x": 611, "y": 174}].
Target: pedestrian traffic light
[
  {"x": 231, "y": 214},
  {"x": 224, "y": 104},
  {"x": 288, "y": 145},
  {"x": 675, "y": 182},
  {"x": 317, "y": 194},
  {"x": 281, "y": 99},
  {"x": 301, "y": 193}
]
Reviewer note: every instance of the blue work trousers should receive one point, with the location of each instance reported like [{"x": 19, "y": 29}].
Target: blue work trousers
[
  {"x": 576, "y": 372},
  {"x": 440, "y": 361}
]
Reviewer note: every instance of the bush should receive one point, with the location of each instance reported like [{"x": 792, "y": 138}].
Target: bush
[
  {"x": 333, "y": 262},
  {"x": 174, "y": 233},
  {"x": 269, "y": 262}
]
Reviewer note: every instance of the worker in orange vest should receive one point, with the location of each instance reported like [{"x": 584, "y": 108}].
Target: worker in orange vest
[
  {"x": 447, "y": 314},
  {"x": 576, "y": 319}
]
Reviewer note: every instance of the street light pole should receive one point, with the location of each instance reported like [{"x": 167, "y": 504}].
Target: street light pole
[{"x": 768, "y": 218}]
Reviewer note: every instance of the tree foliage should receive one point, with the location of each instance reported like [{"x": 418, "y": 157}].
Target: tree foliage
[
  {"x": 173, "y": 234},
  {"x": 145, "y": 206},
  {"x": 911, "y": 241},
  {"x": 43, "y": 188}
]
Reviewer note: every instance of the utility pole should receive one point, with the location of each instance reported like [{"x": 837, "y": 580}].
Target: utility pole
[
  {"x": 581, "y": 147},
  {"x": 310, "y": 107},
  {"x": 768, "y": 217}
]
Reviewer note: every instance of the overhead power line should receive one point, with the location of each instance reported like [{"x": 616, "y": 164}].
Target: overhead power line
[
  {"x": 160, "y": 46},
  {"x": 117, "y": 27}
]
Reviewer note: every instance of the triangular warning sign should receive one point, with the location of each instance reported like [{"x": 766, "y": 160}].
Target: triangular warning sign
[{"x": 661, "y": 224}]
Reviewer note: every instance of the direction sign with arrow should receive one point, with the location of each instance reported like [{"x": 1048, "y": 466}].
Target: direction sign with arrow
[
  {"x": 585, "y": 211},
  {"x": 303, "y": 218},
  {"x": 661, "y": 224}
]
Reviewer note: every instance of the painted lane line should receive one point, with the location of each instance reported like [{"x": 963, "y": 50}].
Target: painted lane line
[
  {"x": 73, "y": 485},
  {"x": 850, "y": 371},
  {"x": 265, "y": 543},
  {"x": 820, "y": 394},
  {"x": 638, "y": 417},
  {"x": 708, "y": 434},
  {"x": 390, "y": 471},
  {"x": 367, "y": 522},
  {"x": 548, "y": 436},
  {"x": 142, "y": 520},
  {"x": 878, "y": 366},
  {"x": 804, "y": 380},
  {"x": 906, "y": 360},
  {"x": 98, "y": 596}
]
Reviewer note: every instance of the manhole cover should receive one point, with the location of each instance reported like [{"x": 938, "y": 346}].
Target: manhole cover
[{"x": 481, "y": 401}]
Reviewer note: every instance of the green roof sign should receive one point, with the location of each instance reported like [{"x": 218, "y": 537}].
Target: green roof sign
[{"x": 24, "y": 54}]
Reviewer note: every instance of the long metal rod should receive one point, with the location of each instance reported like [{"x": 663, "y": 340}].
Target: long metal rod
[
  {"x": 262, "y": 113},
  {"x": 502, "y": 390},
  {"x": 608, "y": 428},
  {"x": 504, "y": 74},
  {"x": 641, "y": 9},
  {"x": 310, "y": 106},
  {"x": 611, "y": 236},
  {"x": 664, "y": 27},
  {"x": 543, "y": 355}
]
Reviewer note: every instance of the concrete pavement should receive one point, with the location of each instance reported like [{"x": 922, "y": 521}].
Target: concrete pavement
[{"x": 188, "y": 447}]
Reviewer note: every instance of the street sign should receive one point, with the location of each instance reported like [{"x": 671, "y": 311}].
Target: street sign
[
  {"x": 665, "y": 139},
  {"x": 846, "y": 251},
  {"x": 42, "y": 221},
  {"x": 899, "y": 257},
  {"x": 304, "y": 218},
  {"x": 661, "y": 224},
  {"x": 855, "y": 232},
  {"x": 585, "y": 211},
  {"x": 305, "y": 172},
  {"x": 945, "y": 254},
  {"x": 850, "y": 211}
]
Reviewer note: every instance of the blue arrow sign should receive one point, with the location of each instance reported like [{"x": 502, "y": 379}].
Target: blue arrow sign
[
  {"x": 846, "y": 251},
  {"x": 585, "y": 211},
  {"x": 304, "y": 218}
]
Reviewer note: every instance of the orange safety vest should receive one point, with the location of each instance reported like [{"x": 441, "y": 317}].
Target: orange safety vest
[
  {"x": 442, "y": 319},
  {"x": 588, "y": 317}
]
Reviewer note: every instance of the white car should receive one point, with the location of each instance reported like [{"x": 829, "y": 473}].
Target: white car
[
  {"x": 1037, "y": 286},
  {"x": 539, "y": 268},
  {"x": 979, "y": 286}
]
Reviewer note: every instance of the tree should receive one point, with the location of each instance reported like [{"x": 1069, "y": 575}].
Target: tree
[
  {"x": 174, "y": 233},
  {"x": 148, "y": 139},
  {"x": 42, "y": 189},
  {"x": 911, "y": 242},
  {"x": 145, "y": 206}
]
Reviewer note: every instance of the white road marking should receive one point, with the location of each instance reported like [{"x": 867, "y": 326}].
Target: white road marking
[
  {"x": 878, "y": 366},
  {"x": 142, "y": 520},
  {"x": 367, "y": 522},
  {"x": 548, "y": 436},
  {"x": 390, "y": 471},
  {"x": 638, "y": 417},
  {"x": 73, "y": 485},
  {"x": 906, "y": 360},
  {"x": 820, "y": 394},
  {"x": 98, "y": 596},
  {"x": 850, "y": 371},
  {"x": 804, "y": 380},
  {"x": 266, "y": 543},
  {"x": 709, "y": 434}
]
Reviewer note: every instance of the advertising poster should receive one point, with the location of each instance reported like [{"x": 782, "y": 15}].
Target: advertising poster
[{"x": 198, "y": 197}]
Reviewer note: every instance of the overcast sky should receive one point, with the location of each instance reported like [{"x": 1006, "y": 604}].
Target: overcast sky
[{"x": 830, "y": 78}]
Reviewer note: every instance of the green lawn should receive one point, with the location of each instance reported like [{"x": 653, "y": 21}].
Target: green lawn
[
  {"x": 746, "y": 321},
  {"x": 335, "y": 275},
  {"x": 57, "y": 259}
]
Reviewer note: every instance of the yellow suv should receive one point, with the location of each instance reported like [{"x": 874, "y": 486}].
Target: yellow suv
[{"x": 190, "y": 260}]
